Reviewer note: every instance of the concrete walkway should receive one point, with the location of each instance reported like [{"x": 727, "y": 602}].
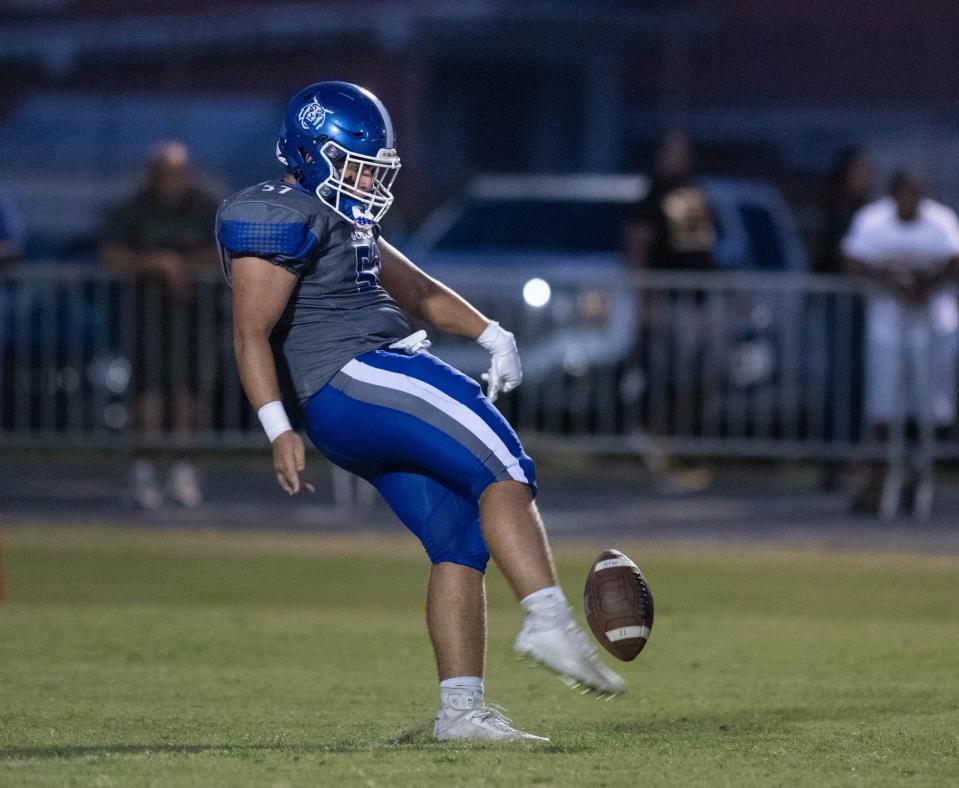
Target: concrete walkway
[{"x": 592, "y": 499}]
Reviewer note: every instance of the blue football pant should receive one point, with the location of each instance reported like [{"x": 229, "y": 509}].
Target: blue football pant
[{"x": 425, "y": 436}]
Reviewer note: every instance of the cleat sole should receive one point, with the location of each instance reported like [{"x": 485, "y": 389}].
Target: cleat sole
[{"x": 569, "y": 681}]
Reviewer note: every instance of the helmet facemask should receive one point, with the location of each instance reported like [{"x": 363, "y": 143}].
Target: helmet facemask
[{"x": 343, "y": 189}]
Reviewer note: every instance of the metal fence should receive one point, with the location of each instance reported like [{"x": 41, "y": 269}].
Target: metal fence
[{"x": 766, "y": 365}]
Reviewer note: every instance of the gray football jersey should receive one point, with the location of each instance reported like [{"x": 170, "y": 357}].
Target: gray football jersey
[{"x": 338, "y": 308}]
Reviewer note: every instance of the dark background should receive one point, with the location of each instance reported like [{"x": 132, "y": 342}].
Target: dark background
[{"x": 768, "y": 90}]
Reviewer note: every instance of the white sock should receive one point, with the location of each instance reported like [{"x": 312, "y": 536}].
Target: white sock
[
  {"x": 550, "y": 599},
  {"x": 471, "y": 684}
]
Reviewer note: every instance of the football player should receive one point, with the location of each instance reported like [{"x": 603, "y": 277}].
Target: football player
[{"x": 319, "y": 300}]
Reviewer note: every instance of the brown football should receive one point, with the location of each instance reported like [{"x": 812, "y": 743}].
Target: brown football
[{"x": 618, "y": 605}]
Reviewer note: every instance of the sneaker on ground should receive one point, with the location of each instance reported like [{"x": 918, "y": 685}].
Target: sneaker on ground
[
  {"x": 553, "y": 639},
  {"x": 144, "y": 487},
  {"x": 183, "y": 484},
  {"x": 467, "y": 718}
]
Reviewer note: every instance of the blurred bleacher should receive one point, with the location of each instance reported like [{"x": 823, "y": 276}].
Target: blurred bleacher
[{"x": 65, "y": 173}]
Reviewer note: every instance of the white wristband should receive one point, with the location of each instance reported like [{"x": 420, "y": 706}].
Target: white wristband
[
  {"x": 274, "y": 419},
  {"x": 490, "y": 336},
  {"x": 496, "y": 339}
]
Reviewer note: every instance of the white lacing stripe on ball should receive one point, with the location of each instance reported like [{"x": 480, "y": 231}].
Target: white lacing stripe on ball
[
  {"x": 610, "y": 563},
  {"x": 627, "y": 633}
]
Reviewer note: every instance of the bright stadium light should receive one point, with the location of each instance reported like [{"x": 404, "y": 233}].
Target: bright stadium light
[{"x": 536, "y": 293}]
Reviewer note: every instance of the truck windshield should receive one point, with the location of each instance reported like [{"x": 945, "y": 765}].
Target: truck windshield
[{"x": 536, "y": 226}]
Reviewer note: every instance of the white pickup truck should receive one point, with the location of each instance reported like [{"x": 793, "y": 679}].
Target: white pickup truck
[{"x": 543, "y": 255}]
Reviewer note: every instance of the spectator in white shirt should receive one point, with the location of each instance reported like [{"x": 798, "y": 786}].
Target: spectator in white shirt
[{"x": 909, "y": 245}]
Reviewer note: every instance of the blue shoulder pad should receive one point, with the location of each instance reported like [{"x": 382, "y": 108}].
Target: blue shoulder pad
[{"x": 254, "y": 228}]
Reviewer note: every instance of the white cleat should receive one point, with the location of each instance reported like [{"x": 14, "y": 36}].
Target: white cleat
[
  {"x": 144, "y": 489},
  {"x": 556, "y": 642},
  {"x": 924, "y": 498},
  {"x": 465, "y": 719},
  {"x": 183, "y": 485}
]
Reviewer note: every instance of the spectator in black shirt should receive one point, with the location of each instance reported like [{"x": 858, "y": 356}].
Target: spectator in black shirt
[
  {"x": 163, "y": 237},
  {"x": 849, "y": 188},
  {"x": 672, "y": 228}
]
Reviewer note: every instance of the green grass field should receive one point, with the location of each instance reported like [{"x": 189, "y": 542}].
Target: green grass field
[{"x": 133, "y": 658}]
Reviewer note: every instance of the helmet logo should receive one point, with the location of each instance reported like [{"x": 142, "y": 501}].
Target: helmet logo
[{"x": 311, "y": 117}]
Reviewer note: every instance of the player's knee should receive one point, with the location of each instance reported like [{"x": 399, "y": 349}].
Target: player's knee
[
  {"x": 507, "y": 492},
  {"x": 474, "y": 559},
  {"x": 519, "y": 478},
  {"x": 465, "y": 547}
]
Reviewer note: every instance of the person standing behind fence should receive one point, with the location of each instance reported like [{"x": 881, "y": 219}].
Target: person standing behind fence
[
  {"x": 11, "y": 249},
  {"x": 909, "y": 245},
  {"x": 849, "y": 187},
  {"x": 673, "y": 229},
  {"x": 161, "y": 236}
]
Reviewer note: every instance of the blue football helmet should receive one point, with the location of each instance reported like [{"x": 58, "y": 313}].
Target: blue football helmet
[{"x": 337, "y": 141}]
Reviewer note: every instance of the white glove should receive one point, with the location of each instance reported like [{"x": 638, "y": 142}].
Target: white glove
[{"x": 505, "y": 372}]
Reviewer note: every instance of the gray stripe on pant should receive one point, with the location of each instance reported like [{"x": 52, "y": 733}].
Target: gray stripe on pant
[{"x": 422, "y": 410}]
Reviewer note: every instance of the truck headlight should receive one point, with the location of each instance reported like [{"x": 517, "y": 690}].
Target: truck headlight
[{"x": 537, "y": 292}]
